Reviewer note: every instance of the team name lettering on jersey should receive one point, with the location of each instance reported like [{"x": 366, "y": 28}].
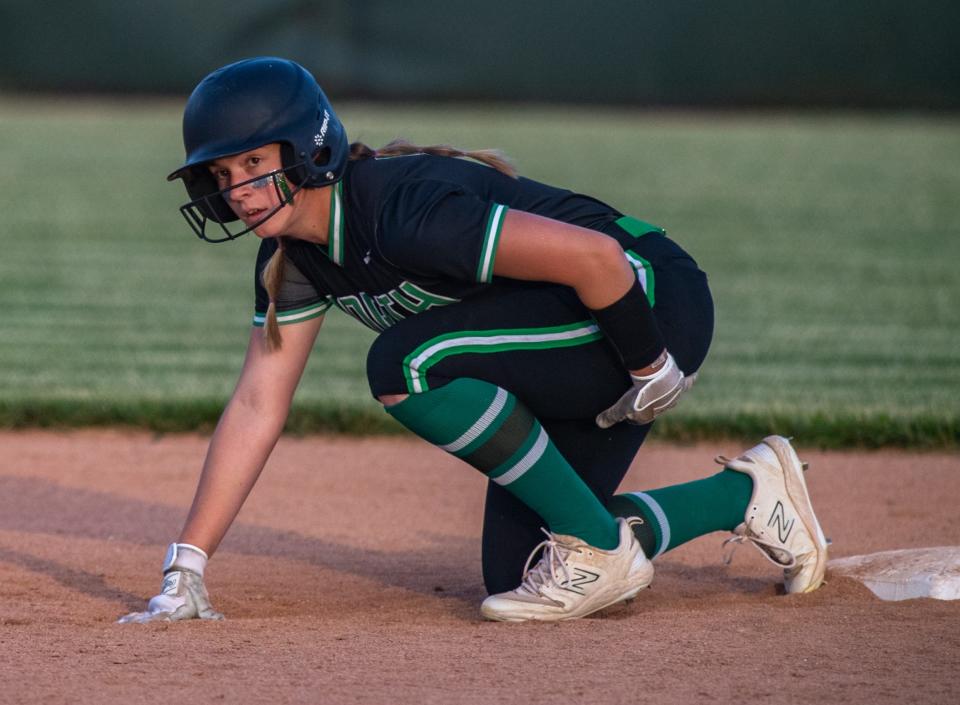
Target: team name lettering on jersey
[{"x": 381, "y": 311}]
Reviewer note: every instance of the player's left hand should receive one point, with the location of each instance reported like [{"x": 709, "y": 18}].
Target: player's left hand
[{"x": 650, "y": 396}]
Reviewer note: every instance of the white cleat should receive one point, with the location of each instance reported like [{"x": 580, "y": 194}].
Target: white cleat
[
  {"x": 573, "y": 579},
  {"x": 780, "y": 521}
]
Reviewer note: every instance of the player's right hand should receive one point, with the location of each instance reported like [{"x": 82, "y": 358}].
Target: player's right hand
[{"x": 182, "y": 596}]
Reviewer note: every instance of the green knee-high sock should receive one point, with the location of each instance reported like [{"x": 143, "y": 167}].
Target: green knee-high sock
[
  {"x": 674, "y": 515},
  {"x": 490, "y": 429}
]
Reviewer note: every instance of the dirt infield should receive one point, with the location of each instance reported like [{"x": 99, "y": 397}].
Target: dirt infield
[{"x": 352, "y": 576}]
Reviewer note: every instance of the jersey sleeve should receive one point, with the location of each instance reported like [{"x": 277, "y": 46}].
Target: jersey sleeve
[
  {"x": 298, "y": 299},
  {"x": 436, "y": 228}
]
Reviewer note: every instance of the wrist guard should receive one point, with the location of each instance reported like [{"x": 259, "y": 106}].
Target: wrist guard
[
  {"x": 629, "y": 325},
  {"x": 185, "y": 556}
]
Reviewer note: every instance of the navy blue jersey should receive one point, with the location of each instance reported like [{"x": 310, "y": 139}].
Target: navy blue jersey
[{"x": 410, "y": 233}]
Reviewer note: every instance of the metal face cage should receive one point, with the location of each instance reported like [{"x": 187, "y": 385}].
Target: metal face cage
[{"x": 214, "y": 207}]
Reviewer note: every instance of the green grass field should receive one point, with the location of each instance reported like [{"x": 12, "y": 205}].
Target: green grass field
[{"x": 832, "y": 245}]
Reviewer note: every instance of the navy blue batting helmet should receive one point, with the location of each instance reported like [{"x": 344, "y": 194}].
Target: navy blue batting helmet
[{"x": 246, "y": 105}]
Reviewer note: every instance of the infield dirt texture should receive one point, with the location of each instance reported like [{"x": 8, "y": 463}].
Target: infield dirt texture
[{"x": 352, "y": 576}]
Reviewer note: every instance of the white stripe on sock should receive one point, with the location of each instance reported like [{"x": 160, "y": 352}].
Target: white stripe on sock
[
  {"x": 482, "y": 424},
  {"x": 526, "y": 462},
  {"x": 661, "y": 517}
]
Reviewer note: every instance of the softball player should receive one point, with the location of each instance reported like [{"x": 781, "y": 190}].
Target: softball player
[{"x": 533, "y": 332}]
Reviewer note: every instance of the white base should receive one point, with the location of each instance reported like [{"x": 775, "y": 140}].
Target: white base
[{"x": 905, "y": 574}]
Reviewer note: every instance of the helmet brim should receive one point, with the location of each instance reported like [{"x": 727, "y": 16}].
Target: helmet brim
[{"x": 201, "y": 160}]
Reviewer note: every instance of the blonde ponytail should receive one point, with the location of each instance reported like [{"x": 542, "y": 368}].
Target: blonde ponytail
[
  {"x": 272, "y": 279},
  {"x": 399, "y": 147}
]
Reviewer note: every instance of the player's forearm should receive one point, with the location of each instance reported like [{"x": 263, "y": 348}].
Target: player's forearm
[
  {"x": 238, "y": 451},
  {"x": 604, "y": 278},
  {"x": 534, "y": 248}
]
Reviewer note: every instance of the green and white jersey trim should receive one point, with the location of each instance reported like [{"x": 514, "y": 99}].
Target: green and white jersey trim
[
  {"x": 335, "y": 229},
  {"x": 639, "y": 228},
  {"x": 418, "y": 362},
  {"x": 644, "y": 272},
  {"x": 294, "y": 316},
  {"x": 491, "y": 238}
]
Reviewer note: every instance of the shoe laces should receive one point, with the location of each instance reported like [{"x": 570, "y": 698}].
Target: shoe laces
[
  {"x": 544, "y": 573},
  {"x": 770, "y": 551}
]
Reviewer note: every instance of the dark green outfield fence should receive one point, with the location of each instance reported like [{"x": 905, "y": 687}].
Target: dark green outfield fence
[{"x": 847, "y": 53}]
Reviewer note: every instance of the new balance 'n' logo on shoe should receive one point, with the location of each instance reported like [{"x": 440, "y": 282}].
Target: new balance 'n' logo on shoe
[
  {"x": 780, "y": 521},
  {"x": 580, "y": 578},
  {"x": 573, "y": 579}
]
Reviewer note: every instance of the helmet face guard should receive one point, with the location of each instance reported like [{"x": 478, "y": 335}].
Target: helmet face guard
[
  {"x": 214, "y": 207},
  {"x": 244, "y": 106}
]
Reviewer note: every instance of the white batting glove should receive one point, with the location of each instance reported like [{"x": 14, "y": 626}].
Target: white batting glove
[
  {"x": 182, "y": 593},
  {"x": 650, "y": 396}
]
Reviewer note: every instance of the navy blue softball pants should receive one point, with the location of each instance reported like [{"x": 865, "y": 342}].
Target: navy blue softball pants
[{"x": 565, "y": 384}]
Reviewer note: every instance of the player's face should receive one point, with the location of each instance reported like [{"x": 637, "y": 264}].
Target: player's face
[{"x": 250, "y": 198}]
